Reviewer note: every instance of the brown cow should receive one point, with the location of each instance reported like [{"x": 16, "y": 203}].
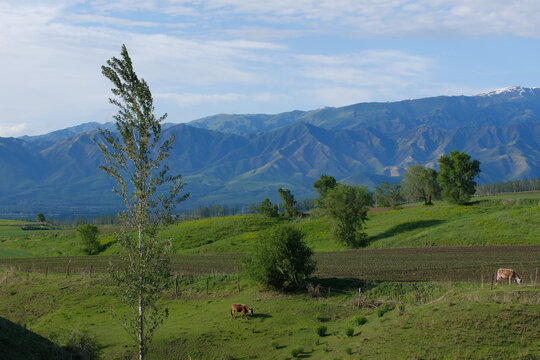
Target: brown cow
[
  {"x": 245, "y": 310},
  {"x": 508, "y": 274}
]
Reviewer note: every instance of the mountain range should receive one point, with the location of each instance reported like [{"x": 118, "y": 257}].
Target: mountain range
[{"x": 241, "y": 159}]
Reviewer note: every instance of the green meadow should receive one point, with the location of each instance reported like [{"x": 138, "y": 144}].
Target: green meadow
[
  {"x": 424, "y": 277},
  {"x": 395, "y": 320},
  {"x": 502, "y": 220}
]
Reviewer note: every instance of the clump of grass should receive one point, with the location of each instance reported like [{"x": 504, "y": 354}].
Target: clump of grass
[
  {"x": 274, "y": 344},
  {"x": 359, "y": 320},
  {"x": 348, "y": 351},
  {"x": 401, "y": 309},
  {"x": 297, "y": 351},
  {"x": 320, "y": 318},
  {"x": 349, "y": 332},
  {"x": 384, "y": 309},
  {"x": 321, "y": 330}
]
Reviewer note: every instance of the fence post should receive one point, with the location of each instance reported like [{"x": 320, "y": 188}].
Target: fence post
[
  {"x": 359, "y": 296},
  {"x": 491, "y": 287},
  {"x": 176, "y": 286},
  {"x": 46, "y": 271},
  {"x": 535, "y": 277},
  {"x": 207, "y": 286},
  {"x": 91, "y": 269},
  {"x": 482, "y": 280},
  {"x": 68, "y": 265},
  {"x": 27, "y": 273},
  {"x": 238, "y": 283}
]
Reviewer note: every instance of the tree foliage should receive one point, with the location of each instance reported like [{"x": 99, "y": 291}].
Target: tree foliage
[
  {"x": 266, "y": 208},
  {"x": 322, "y": 186},
  {"x": 88, "y": 234},
  {"x": 347, "y": 205},
  {"x": 40, "y": 217},
  {"x": 282, "y": 260},
  {"x": 456, "y": 176},
  {"x": 134, "y": 158},
  {"x": 389, "y": 195},
  {"x": 421, "y": 183},
  {"x": 289, "y": 204}
]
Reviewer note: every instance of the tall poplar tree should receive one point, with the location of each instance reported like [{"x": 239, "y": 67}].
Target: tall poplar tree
[{"x": 134, "y": 160}]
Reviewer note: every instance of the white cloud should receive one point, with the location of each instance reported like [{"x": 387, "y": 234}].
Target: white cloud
[
  {"x": 368, "y": 18},
  {"x": 13, "y": 130},
  {"x": 188, "y": 99}
]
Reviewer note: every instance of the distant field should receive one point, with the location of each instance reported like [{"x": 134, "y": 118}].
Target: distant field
[
  {"x": 469, "y": 264},
  {"x": 511, "y": 219}
]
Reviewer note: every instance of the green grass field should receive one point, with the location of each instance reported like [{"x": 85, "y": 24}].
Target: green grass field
[
  {"x": 500, "y": 220},
  {"x": 425, "y": 278},
  {"x": 420, "y": 320}
]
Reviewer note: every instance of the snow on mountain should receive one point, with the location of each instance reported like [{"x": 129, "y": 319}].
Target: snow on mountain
[{"x": 511, "y": 90}]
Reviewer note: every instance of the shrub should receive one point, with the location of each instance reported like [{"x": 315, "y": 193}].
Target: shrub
[
  {"x": 348, "y": 350},
  {"x": 274, "y": 344},
  {"x": 282, "y": 260},
  {"x": 321, "y": 330},
  {"x": 349, "y": 332},
  {"x": 297, "y": 351},
  {"x": 359, "y": 320},
  {"x": 82, "y": 345},
  {"x": 384, "y": 309}
]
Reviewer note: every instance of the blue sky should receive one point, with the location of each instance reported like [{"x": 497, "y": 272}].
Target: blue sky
[{"x": 203, "y": 57}]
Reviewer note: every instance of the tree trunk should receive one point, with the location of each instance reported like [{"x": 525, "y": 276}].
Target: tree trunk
[{"x": 141, "y": 290}]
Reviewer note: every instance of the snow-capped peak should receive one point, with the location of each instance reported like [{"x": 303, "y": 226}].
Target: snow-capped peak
[{"x": 517, "y": 90}]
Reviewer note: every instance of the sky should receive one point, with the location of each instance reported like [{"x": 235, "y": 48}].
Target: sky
[{"x": 204, "y": 57}]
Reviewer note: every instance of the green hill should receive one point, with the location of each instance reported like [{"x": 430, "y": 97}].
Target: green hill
[{"x": 501, "y": 220}]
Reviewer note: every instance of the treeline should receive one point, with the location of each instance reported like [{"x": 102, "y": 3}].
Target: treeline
[
  {"x": 219, "y": 210},
  {"x": 511, "y": 186},
  {"x": 75, "y": 221}
]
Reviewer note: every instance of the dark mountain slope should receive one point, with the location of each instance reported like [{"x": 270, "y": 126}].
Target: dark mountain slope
[
  {"x": 501, "y": 107},
  {"x": 362, "y": 144}
]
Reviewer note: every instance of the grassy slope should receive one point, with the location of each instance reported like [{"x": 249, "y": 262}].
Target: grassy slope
[
  {"x": 501, "y": 220},
  {"x": 465, "y": 322}
]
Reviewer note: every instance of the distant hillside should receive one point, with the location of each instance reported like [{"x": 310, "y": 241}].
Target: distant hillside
[
  {"x": 498, "y": 108},
  {"x": 252, "y": 155}
]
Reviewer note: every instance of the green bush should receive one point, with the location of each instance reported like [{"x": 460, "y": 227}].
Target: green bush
[
  {"x": 349, "y": 332},
  {"x": 348, "y": 350},
  {"x": 384, "y": 309},
  {"x": 274, "y": 344},
  {"x": 297, "y": 351},
  {"x": 82, "y": 345},
  {"x": 359, "y": 320},
  {"x": 321, "y": 330},
  {"x": 282, "y": 260}
]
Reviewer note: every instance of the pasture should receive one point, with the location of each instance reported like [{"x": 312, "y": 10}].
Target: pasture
[
  {"x": 446, "y": 320},
  {"x": 504, "y": 220},
  {"x": 425, "y": 275}
]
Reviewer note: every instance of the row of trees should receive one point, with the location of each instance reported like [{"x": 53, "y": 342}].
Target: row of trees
[
  {"x": 453, "y": 182},
  {"x": 509, "y": 187}
]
